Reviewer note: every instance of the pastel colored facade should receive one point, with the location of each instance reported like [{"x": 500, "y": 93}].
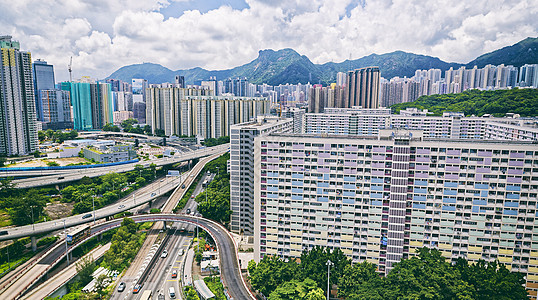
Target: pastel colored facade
[
  {"x": 355, "y": 121},
  {"x": 379, "y": 198}
]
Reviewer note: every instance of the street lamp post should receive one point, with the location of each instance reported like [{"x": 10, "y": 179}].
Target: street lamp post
[
  {"x": 329, "y": 264},
  {"x": 33, "y": 224},
  {"x": 66, "y": 253},
  {"x": 93, "y": 206}
]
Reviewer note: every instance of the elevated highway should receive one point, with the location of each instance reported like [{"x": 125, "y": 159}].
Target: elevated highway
[
  {"x": 73, "y": 175},
  {"x": 229, "y": 263}
]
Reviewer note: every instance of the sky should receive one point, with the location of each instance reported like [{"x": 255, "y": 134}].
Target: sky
[{"x": 104, "y": 35}]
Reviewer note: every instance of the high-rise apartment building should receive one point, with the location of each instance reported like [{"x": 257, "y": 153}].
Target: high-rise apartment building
[
  {"x": 18, "y": 128},
  {"x": 92, "y": 104},
  {"x": 56, "y": 109},
  {"x": 528, "y": 75},
  {"x": 197, "y": 112},
  {"x": 297, "y": 115},
  {"x": 43, "y": 80},
  {"x": 163, "y": 108},
  {"x": 362, "y": 87},
  {"x": 139, "y": 112},
  {"x": 357, "y": 121},
  {"x": 380, "y": 198},
  {"x": 242, "y": 168}
]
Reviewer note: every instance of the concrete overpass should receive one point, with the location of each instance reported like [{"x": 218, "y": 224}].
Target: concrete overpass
[
  {"x": 95, "y": 134},
  {"x": 77, "y": 174},
  {"x": 229, "y": 262}
]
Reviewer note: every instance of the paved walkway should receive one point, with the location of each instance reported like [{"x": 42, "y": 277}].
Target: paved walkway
[{"x": 63, "y": 276}]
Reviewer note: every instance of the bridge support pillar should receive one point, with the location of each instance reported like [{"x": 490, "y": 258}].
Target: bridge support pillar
[
  {"x": 150, "y": 203},
  {"x": 164, "y": 225},
  {"x": 34, "y": 244}
]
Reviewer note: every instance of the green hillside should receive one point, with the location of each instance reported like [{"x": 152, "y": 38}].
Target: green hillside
[
  {"x": 288, "y": 66},
  {"x": 524, "y": 52},
  {"x": 475, "y": 102}
]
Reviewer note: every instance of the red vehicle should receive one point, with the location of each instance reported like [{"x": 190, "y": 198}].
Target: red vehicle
[
  {"x": 174, "y": 273},
  {"x": 137, "y": 288}
]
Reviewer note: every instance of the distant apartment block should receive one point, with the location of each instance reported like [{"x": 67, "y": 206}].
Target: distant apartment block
[
  {"x": 55, "y": 109},
  {"x": 379, "y": 198},
  {"x": 242, "y": 168},
  {"x": 92, "y": 102},
  {"x": 120, "y": 116},
  {"x": 196, "y": 112},
  {"x": 362, "y": 88}
]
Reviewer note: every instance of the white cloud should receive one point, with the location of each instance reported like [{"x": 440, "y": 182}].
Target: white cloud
[{"x": 104, "y": 35}]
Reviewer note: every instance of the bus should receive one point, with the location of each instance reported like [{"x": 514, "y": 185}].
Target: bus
[
  {"x": 78, "y": 235},
  {"x": 146, "y": 295}
]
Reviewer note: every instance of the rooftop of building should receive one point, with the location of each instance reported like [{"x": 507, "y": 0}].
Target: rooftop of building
[
  {"x": 262, "y": 122},
  {"x": 390, "y": 134}
]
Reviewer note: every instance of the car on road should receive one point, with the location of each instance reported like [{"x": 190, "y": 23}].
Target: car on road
[
  {"x": 121, "y": 206},
  {"x": 121, "y": 287},
  {"x": 87, "y": 216},
  {"x": 181, "y": 252},
  {"x": 192, "y": 175},
  {"x": 60, "y": 178},
  {"x": 153, "y": 194},
  {"x": 183, "y": 186},
  {"x": 160, "y": 297},
  {"x": 164, "y": 254},
  {"x": 174, "y": 273},
  {"x": 188, "y": 211},
  {"x": 137, "y": 288},
  {"x": 172, "y": 292},
  {"x": 162, "y": 180}
]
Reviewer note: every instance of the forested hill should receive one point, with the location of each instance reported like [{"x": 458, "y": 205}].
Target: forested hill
[{"x": 476, "y": 102}]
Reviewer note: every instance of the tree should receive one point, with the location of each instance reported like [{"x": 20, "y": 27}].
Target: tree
[
  {"x": 136, "y": 142},
  {"x": 41, "y": 136},
  {"x": 426, "y": 276},
  {"x": 295, "y": 289},
  {"x": 101, "y": 282},
  {"x": 128, "y": 123},
  {"x": 147, "y": 129},
  {"x": 85, "y": 268},
  {"x": 111, "y": 127},
  {"x": 270, "y": 273},
  {"x": 361, "y": 281},
  {"x": 52, "y": 164},
  {"x": 216, "y": 207},
  {"x": 22, "y": 208},
  {"x": 492, "y": 280}
]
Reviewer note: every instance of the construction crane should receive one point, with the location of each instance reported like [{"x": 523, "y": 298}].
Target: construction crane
[{"x": 70, "y": 69}]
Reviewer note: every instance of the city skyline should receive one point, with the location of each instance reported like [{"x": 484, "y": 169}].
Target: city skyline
[{"x": 216, "y": 35}]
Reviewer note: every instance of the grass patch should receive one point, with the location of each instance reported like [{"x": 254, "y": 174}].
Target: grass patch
[
  {"x": 214, "y": 284},
  {"x": 5, "y": 219}
]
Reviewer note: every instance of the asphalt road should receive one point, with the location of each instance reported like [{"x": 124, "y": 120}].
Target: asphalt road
[
  {"x": 144, "y": 195},
  {"x": 77, "y": 174}
]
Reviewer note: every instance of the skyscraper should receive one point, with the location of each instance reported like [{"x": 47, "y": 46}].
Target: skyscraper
[
  {"x": 363, "y": 87},
  {"x": 43, "y": 80},
  {"x": 56, "y": 109},
  {"x": 18, "y": 131},
  {"x": 92, "y": 104}
]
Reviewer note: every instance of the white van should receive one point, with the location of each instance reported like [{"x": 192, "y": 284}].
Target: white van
[{"x": 172, "y": 292}]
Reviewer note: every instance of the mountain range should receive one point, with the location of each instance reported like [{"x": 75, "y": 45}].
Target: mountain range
[{"x": 288, "y": 66}]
